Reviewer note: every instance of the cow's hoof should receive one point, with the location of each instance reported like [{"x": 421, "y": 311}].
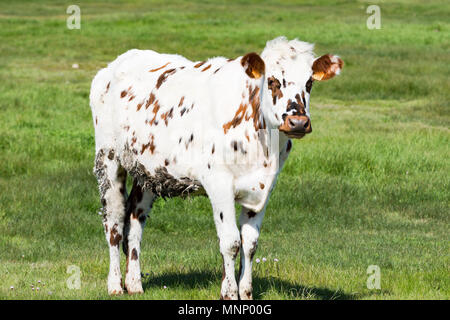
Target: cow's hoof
[
  {"x": 138, "y": 291},
  {"x": 246, "y": 295},
  {"x": 115, "y": 292},
  {"x": 229, "y": 296},
  {"x": 134, "y": 287},
  {"x": 115, "y": 287}
]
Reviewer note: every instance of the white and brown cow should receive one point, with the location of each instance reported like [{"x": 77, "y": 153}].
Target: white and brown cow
[{"x": 220, "y": 127}]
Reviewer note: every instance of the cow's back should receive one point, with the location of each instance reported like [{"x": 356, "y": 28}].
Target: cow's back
[{"x": 112, "y": 88}]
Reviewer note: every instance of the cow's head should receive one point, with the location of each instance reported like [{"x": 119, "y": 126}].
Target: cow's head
[{"x": 290, "y": 71}]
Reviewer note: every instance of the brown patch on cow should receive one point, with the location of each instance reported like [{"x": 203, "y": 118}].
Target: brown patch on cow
[
  {"x": 289, "y": 146},
  {"x": 308, "y": 85},
  {"x": 261, "y": 185},
  {"x": 181, "y": 102},
  {"x": 241, "y": 113},
  {"x": 165, "y": 116},
  {"x": 206, "y": 68},
  {"x": 152, "y": 144},
  {"x": 237, "y": 119},
  {"x": 198, "y": 65},
  {"x": 251, "y": 214},
  {"x": 299, "y": 100},
  {"x": 155, "y": 112},
  {"x": 234, "y": 144},
  {"x": 265, "y": 164},
  {"x": 132, "y": 97},
  {"x": 144, "y": 146},
  {"x": 255, "y": 104},
  {"x": 134, "y": 254},
  {"x": 163, "y": 77},
  {"x": 274, "y": 85},
  {"x": 123, "y": 93},
  {"x": 115, "y": 237},
  {"x": 96, "y": 120},
  {"x": 253, "y": 65},
  {"x": 150, "y": 100},
  {"x": 154, "y": 70},
  {"x": 247, "y": 136},
  {"x": 217, "y": 70},
  {"x": 166, "y": 162},
  {"x": 111, "y": 155},
  {"x": 284, "y": 83},
  {"x": 182, "y": 111},
  {"x": 209, "y": 166},
  {"x": 213, "y": 149},
  {"x": 325, "y": 68},
  {"x": 139, "y": 106}
]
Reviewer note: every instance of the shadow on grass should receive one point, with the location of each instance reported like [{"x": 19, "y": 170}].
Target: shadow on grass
[{"x": 284, "y": 288}]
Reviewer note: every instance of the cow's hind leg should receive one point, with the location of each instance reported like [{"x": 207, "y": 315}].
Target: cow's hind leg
[
  {"x": 138, "y": 205},
  {"x": 250, "y": 229},
  {"x": 111, "y": 179}
]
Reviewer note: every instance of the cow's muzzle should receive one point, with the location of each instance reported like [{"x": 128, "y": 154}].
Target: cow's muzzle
[{"x": 296, "y": 126}]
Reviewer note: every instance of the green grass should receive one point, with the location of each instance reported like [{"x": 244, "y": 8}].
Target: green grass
[{"x": 370, "y": 185}]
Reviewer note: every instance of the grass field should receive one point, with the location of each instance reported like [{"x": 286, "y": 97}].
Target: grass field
[{"x": 370, "y": 185}]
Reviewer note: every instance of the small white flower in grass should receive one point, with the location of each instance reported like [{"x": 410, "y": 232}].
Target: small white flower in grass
[
  {"x": 12, "y": 288},
  {"x": 165, "y": 287},
  {"x": 264, "y": 259},
  {"x": 276, "y": 260},
  {"x": 257, "y": 260},
  {"x": 75, "y": 66},
  {"x": 39, "y": 281},
  {"x": 23, "y": 256},
  {"x": 37, "y": 288}
]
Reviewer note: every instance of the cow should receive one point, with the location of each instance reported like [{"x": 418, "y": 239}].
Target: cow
[{"x": 220, "y": 128}]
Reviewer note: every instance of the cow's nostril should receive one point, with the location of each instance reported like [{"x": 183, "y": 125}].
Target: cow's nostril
[
  {"x": 306, "y": 124},
  {"x": 292, "y": 123}
]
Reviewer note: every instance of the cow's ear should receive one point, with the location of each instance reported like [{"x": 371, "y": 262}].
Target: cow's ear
[
  {"x": 253, "y": 65},
  {"x": 326, "y": 67}
]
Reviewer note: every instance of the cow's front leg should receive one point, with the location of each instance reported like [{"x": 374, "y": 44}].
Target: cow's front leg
[
  {"x": 112, "y": 178},
  {"x": 138, "y": 206},
  {"x": 220, "y": 192},
  {"x": 250, "y": 229}
]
